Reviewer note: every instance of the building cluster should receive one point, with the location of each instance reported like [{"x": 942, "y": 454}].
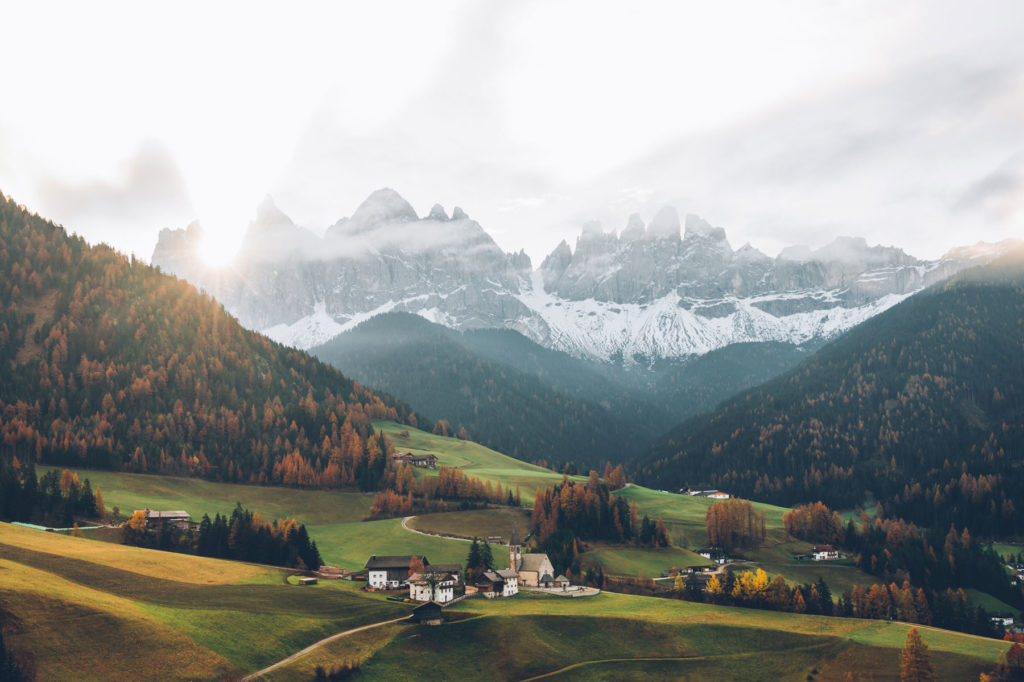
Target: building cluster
[{"x": 439, "y": 583}]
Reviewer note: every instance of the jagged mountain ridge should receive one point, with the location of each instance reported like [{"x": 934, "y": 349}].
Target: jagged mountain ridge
[{"x": 647, "y": 293}]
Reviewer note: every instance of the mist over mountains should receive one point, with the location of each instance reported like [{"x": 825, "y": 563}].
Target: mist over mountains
[{"x": 666, "y": 289}]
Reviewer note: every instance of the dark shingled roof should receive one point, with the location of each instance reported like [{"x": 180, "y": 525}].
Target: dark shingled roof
[
  {"x": 443, "y": 568},
  {"x": 384, "y": 562}
]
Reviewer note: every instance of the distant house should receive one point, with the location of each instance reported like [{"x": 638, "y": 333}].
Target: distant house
[
  {"x": 427, "y": 461},
  {"x": 307, "y": 581},
  {"x": 511, "y": 578},
  {"x": 713, "y": 494},
  {"x": 171, "y": 519},
  {"x": 489, "y": 584},
  {"x": 1003, "y": 621},
  {"x": 824, "y": 553},
  {"x": 390, "y": 572},
  {"x": 716, "y": 554},
  {"x": 560, "y": 582},
  {"x": 427, "y": 614},
  {"x": 435, "y": 583}
]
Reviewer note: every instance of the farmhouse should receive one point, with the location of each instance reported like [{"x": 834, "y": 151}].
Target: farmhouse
[
  {"x": 307, "y": 581},
  {"x": 492, "y": 584},
  {"x": 427, "y": 461},
  {"x": 824, "y": 553},
  {"x": 390, "y": 572},
  {"x": 435, "y": 583},
  {"x": 716, "y": 554},
  {"x": 713, "y": 494},
  {"x": 172, "y": 519}
]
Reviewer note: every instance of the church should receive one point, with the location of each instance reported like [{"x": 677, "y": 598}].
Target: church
[{"x": 530, "y": 567}]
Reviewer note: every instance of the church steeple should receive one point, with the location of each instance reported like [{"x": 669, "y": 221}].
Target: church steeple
[{"x": 515, "y": 550}]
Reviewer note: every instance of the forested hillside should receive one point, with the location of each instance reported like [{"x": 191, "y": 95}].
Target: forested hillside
[
  {"x": 506, "y": 391},
  {"x": 921, "y": 407},
  {"x": 107, "y": 363}
]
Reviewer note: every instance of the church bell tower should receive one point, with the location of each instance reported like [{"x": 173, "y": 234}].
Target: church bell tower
[{"x": 515, "y": 550}]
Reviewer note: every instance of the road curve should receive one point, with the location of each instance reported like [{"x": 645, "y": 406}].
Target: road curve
[
  {"x": 430, "y": 535},
  {"x": 317, "y": 645}
]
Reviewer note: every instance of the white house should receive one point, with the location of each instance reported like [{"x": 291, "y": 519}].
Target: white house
[
  {"x": 389, "y": 572},
  {"x": 824, "y": 553},
  {"x": 716, "y": 554},
  {"x": 511, "y": 586},
  {"x": 435, "y": 583}
]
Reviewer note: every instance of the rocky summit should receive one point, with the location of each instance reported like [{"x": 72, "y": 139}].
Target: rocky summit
[{"x": 663, "y": 289}]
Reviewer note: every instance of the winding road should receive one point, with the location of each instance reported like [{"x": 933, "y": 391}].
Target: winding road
[
  {"x": 430, "y": 535},
  {"x": 317, "y": 645}
]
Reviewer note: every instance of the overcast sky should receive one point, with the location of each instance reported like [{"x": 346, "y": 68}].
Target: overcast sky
[{"x": 784, "y": 122}]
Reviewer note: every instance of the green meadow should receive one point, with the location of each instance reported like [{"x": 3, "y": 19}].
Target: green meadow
[
  {"x": 614, "y": 636},
  {"x": 93, "y": 610}
]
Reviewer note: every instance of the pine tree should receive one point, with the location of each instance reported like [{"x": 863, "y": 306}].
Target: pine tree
[
  {"x": 915, "y": 665},
  {"x": 473, "y": 560}
]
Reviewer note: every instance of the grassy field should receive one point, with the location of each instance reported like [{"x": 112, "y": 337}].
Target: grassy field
[
  {"x": 475, "y": 459},
  {"x": 91, "y": 610},
  {"x": 636, "y": 561},
  {"x": 615, "y": 636},
  {"x": 349, "y": 545},
  {"x": 480, "y": 523},
  {"x": 198, "y": 497},
  {"x": 684, "y": 515}
]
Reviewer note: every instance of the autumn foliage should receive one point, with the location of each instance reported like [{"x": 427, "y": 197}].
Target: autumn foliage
[
  {"x": 107, "y": 363},
  {"x": 734, "y": 523},
  {"x": 814, "y": 523}
]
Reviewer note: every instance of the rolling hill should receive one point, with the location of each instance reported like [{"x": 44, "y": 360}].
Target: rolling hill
[
  {"x": 140, "y": 613},
  {"x": 107, "y": 363},
  {"x": 921, "y": 407}
]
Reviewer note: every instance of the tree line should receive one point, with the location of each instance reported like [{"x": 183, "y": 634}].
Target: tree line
[
  {"x": 451, "y": 489},
  {"x": 243, "y": 536},
  {"x": 56, "y": 499},
  {"x": 569, "y": 513}
]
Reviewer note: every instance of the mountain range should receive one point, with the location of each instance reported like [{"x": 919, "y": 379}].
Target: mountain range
[
  {"x": 668, "y": 289},
  {"x": 920, "y": 408}
]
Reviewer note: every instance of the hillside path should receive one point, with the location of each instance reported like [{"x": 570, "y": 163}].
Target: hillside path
[
  {"x": 317, "y": 645},
  {"x": 430, "y": 535}
]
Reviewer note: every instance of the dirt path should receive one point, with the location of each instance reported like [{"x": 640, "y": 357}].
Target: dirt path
[
  {"x": 317, "y": 645},
  {"x": 430, "y": 535}
]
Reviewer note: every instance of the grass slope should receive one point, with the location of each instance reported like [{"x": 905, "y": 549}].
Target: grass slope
[
  {"x": 475, "y": 459},
  {"x": 479, "y": 523},
  {"x": 615, "y": 636},
  {"x": 74, "y": 602}
]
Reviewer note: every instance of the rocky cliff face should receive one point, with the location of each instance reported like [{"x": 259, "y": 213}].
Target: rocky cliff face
[{"x": 653, "y": 291}]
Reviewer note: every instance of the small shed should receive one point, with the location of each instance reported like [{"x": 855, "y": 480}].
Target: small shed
[
  {"x": 307, "y": 581},
  {"x": 427, "y": 614}
]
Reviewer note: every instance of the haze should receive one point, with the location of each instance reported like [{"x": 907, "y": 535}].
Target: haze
[{"x": 788, "y": 123}]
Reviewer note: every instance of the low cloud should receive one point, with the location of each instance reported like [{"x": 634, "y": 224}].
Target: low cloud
[{"x": 127, "y": 210}]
